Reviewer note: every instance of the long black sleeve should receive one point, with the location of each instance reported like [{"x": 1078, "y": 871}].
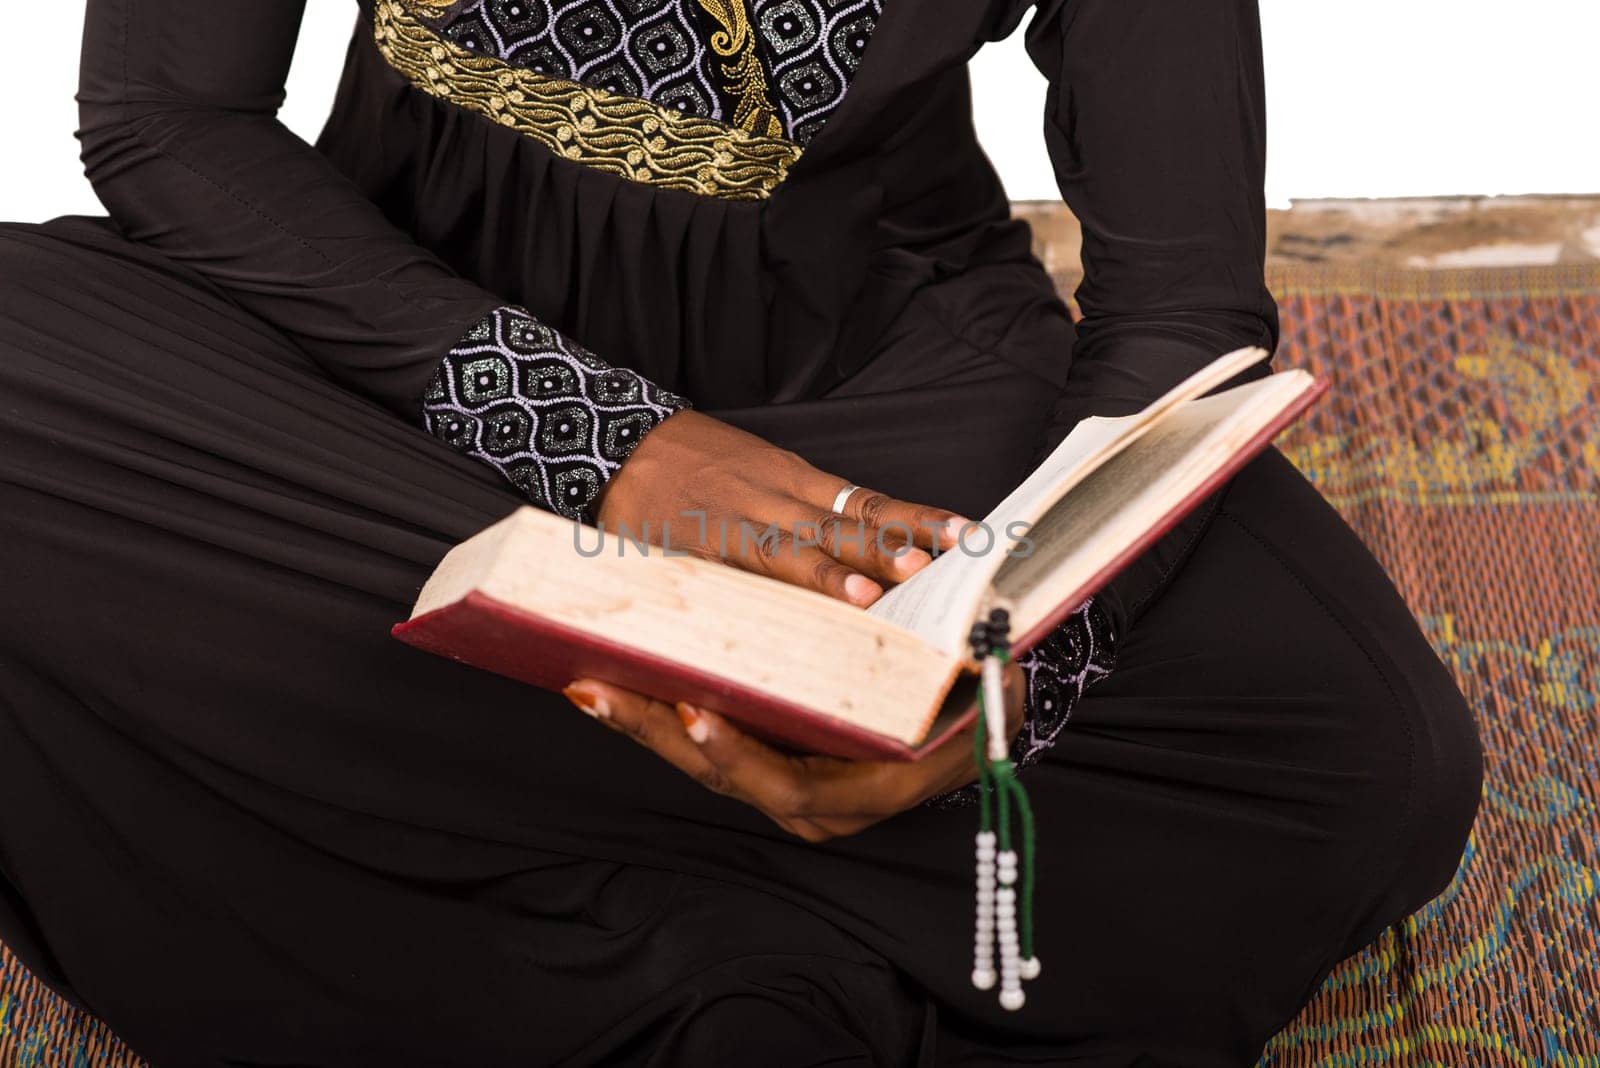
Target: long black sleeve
[
  {"x": 178, "y": 104},
  {"x": 1156, "y": 126}
]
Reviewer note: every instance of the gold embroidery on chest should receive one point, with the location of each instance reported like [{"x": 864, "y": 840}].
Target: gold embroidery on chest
[
  {"x": 622, "y": 135},
  {"x": 735, "y": 45}
]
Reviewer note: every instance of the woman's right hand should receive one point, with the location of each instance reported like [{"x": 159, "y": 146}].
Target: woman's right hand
[
  {"x": 814, "y": 797},
  {"x": 699, "y": 485}
]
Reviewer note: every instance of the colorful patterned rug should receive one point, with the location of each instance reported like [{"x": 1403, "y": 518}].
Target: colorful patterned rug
[{"x": 1462, "y": 439}]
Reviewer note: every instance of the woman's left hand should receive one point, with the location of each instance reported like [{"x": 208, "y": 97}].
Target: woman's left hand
[{"x": 814, "y": 797}]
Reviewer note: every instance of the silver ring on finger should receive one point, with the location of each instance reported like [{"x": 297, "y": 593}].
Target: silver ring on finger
[{"x": 843, "y": 498}]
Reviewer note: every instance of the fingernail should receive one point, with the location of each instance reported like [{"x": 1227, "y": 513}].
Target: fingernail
[
  {"x": 592, "y": 704},
  {"x": 861, "y": 590},
  {"x": 911, "y": 561},
  {"x": 953, "y": 528},
  {"x": 694, "y": 723}
]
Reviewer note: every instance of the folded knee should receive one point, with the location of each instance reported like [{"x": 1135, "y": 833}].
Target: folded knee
[{"x": 1448, "y": 787}]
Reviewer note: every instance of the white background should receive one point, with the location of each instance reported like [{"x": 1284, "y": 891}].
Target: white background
[{"x": 1366, "y": 98}]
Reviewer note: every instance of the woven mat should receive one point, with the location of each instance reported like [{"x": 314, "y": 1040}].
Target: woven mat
[{"x": 1462, "y": 439}]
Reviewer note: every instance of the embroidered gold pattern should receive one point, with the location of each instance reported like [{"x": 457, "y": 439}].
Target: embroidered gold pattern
[
  {"x": 747, "y": 80},
  {"x": 622, "y": 135}
]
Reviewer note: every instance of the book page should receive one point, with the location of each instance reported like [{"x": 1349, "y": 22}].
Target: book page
[
  {"x": 1131, "y": 492},
  {"x": 944, "y": 597},
  {"x": 651, "y": 612},
  {"x": 940, "y": 602}
]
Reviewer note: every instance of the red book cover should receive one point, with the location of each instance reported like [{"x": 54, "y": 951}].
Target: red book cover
[{"x": 489, "y": 634}]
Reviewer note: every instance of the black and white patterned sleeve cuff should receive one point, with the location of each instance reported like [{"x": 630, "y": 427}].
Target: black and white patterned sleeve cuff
[
  {"x": 548, "y": 414},
  {"x": 1080, "y": 652}
]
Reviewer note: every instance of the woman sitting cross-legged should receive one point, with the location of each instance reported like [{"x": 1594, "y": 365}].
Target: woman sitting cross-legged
[{"x": 624, "y": 261}]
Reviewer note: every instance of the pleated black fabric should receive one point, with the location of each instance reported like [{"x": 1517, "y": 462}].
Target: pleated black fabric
[{"x": 245, "y": 826}]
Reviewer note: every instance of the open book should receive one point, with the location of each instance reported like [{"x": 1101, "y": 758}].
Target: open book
[{"x": 544, "y": 600}]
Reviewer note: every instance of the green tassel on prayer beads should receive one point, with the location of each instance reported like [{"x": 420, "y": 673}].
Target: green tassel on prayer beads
[{"x": 1005, "y": 887}]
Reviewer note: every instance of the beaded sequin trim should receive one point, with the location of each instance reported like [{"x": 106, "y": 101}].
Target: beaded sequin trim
[
  {"x": 746, "y": 78},
  {"x": 814, "y": 48},
  {"x": 622, "y": 135},
  {"x": 548, "y": 414}
]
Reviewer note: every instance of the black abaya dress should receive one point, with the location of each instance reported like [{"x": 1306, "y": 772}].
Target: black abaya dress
[{"x": 244, "y": 826}]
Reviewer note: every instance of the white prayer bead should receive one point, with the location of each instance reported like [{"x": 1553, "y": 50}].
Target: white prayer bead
[
  {"x": 1012, "y": 1000},
  {"x": 1030, "y": 967},
  {"x": 983, "y": 978}
]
